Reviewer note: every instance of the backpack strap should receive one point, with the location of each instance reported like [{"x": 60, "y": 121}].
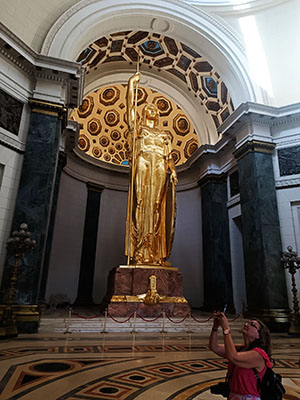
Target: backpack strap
[{"x": 257, "y": 379}]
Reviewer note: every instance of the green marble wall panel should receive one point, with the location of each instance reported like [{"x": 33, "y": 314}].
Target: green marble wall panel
[
  {"x": 33, "y": 203},
  {"x": 289, "y": 160},
  {"x": 216, "y": 246},
  {"x": 261, "y": 233}
]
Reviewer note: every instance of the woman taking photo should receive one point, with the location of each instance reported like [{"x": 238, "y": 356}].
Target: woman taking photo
[{"x": 254, "y": 353}]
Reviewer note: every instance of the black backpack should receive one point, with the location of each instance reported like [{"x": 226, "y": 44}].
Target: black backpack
[{"x": 270, "y": 387}]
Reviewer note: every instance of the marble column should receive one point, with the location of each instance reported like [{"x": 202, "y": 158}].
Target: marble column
[
  {"x": 34, "y": 198},
  {"x": 265, "y": 278},
  {"x": 216, "y": 245},
  {"x": 89, "y": 246}
]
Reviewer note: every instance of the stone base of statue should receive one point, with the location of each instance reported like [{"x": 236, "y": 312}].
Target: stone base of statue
[{"x": 147, "y": 289}]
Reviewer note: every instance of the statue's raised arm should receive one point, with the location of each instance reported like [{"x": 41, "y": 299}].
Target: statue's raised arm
[{"x": 130, "y": 97}]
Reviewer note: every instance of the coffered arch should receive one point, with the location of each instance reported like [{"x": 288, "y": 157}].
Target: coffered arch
[{"x": 88, "y": 20}]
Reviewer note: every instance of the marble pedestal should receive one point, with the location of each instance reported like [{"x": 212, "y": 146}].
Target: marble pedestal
[{"x": 129, "y": 291}]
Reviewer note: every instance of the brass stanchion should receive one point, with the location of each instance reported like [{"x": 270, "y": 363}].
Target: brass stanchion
[
  {"x": 18, "y": 244},
  {"x": 291, "y": 262},
  {"x": 68, "y": 321},
  {"x": 105, "y": 321},
  {"x": 163, "y": 322},
  {"x": 189, "y": 324},
  {"x": 134, "y": 321}
]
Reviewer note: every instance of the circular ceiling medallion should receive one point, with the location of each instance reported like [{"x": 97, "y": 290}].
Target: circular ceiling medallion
[{"x": 160, "y": 25}]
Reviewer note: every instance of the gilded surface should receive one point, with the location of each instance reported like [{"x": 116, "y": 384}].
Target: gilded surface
[
  {"x": 150, "y": 218},
  {"x": 150, "y": 266},
  {"x": 140, "y": 299},
  {"x": 150, "y": 297}
]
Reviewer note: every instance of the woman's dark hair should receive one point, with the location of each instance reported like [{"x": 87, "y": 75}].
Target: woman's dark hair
[{"x": 264, "y": 340}]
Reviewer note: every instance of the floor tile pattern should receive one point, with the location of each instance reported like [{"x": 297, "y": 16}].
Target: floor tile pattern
[{"x": 124, "y": 367}]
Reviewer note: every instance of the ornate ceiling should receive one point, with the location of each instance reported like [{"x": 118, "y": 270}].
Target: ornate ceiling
[
  {"x": 159, "y": 53},
  {"x": 103, "y": 127}
]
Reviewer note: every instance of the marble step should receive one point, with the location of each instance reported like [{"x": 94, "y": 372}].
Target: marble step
[{"x": 59, "y": 324}]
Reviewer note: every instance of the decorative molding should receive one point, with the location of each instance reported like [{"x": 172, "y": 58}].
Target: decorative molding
[
  {"x": 287, "y": 183},
  {"x": 233, "y": 201},
  {"x": 229, "y": 7},
  {"x": 254, "y": 146},
  {"x": 14, "y": 88},
  {"x": 84, "y": 3},
  {"x": 29, "y": 70},
  {"x": 11, "y": 147},
  {"x": 10, "y": 142}
]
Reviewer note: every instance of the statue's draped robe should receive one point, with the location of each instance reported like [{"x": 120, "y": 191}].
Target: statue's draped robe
[{"x": 151, "y": 219}]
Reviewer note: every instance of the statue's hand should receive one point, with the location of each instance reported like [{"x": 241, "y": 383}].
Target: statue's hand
[
  {"x": 136, "y": 77},
  {"x": 173, "y": 177}
]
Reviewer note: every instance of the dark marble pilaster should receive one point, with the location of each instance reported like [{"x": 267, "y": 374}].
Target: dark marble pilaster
[
  {"x": 265, "y": 278},
  {"x": 216, "y": 245},
  {"x": 89, "y": 246},
  {"x": 62, "y": 159},
  {"x": 34, "y": 197}
]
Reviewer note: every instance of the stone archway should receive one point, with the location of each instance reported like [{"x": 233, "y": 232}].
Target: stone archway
[{"x": 89, "y": 19}]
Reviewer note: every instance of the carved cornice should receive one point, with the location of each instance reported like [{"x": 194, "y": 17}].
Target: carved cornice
[
  {"x": 254, "y": 146},
  {"x": 260, "y": 114},
  {"x": 13, "y": 58},
  {"x": 38, "y": 66},
  {"x": 208, "y": 151}
]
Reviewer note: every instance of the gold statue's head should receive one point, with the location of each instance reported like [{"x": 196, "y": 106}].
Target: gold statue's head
[{"x": 150, "y": 112}]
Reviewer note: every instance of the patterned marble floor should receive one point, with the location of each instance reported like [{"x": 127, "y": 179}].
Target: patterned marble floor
[{"x": 141, "y": 366}]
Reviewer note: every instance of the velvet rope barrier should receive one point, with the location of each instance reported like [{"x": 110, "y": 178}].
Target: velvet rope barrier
[
  {"x": 202, "y": 322},
  {"x": 176, "y": 322},
  {"x": 71, "y": 312},
  {"x": 149, "y": 320},
  {"x": 121, "y": 322}
]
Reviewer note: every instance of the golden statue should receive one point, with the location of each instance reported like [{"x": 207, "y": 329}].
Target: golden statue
[{"x": 151, "y": 204}]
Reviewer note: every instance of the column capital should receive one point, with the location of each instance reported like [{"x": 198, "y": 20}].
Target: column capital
[
  {"x": 46, "y": 107},
  {"x": 212, "y": 178},
  {"x": 254, "y": 146}
]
